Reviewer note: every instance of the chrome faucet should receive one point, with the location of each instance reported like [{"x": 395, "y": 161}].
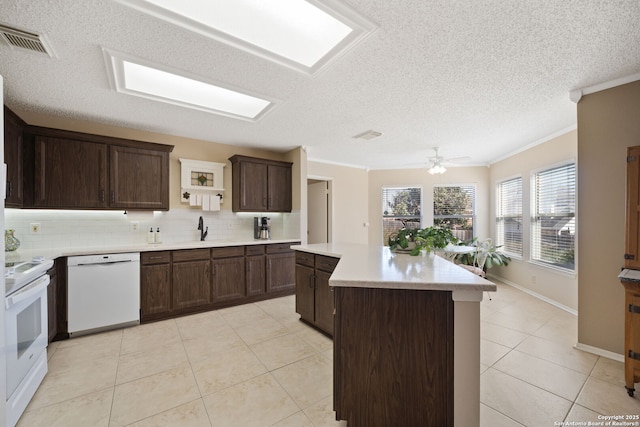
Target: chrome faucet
[{"x": 203, "y": 231}]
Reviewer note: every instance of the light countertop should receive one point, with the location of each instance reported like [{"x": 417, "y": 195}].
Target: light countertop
[
  {"x": 372, "y": 266},
  {"x": 28, "y": 254}
]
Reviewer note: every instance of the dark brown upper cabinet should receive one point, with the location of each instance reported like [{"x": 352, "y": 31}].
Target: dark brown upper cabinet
[
  {"x": 260, "y": 185},
  {"x": 139, "y": 178},
  {"x": 13, "y": 127},
  {"x": 71, "y": 170}
]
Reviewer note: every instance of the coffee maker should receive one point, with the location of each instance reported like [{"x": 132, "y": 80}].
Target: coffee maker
[{"x": 262, "y": 228}]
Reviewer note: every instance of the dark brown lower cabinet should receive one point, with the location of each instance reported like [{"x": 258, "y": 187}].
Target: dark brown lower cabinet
[
  {"x": 393, "y": 357},
  {"x": 155, "y": 283},
  {"x": 228, "y": 273},
  {"x": 255, "y": 267},
  {"x": 175, "y": 283},
  {"x": 52, "y": 303},
  {"x": 191, "y": 278},
  {"x": 281, "y": 264},
  {"x": 314, "y": 298}
]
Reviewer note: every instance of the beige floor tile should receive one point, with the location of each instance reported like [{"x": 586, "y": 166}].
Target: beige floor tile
[
  {"x": 283, "y": 350},
  {"x": 521, "y": 401},
  {"x": 299, "y": 419},
  {"x": 241, "y": 315},
  {"x": 544, "y": 374},
  {"x": 226, "y": 369},
  {"x": 491, "y": 352},
  {"x": 101, "y": 339},
  {"x": 308, "y": 380},
  {"x": 520, "y": 321},
  {"x": 322, "y": 414},
  {"x": 68, "y": 384},
  {"x": 609, "y": 370},
  {"x": 489, "y": 417},
  {"x": 149, "y": 336},
  {"x": 51, "y": 349},
  {"x": 580, "y": 414},
  {"x": 133, "y": 366},
  {"x": 86, "y": 349},
  {"x": 224, "y": 339},
  {"x": 91, "y": 409},
  {"x": 315, "y": 338},
  {"x": 192, "y": 414},
  {"x": 501, "y": 335},
  {"x": 257, "y": 402},
  {"x": 140, "y": 399},
  {"x": 560, "y": 353},
  {"x": 200, "y": 325},
  {"x": 264, "y": 330},
  {"x": 606, "y": 398},
  {"x": 561, "y": 328}
]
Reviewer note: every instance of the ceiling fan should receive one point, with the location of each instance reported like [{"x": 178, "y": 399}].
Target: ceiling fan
[{"x": 437, "y": 162}]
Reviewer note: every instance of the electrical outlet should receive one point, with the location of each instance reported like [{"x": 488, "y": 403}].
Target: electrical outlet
[
  {"x": 134, "y": 226},
  {"x": 35, "y": 227}
]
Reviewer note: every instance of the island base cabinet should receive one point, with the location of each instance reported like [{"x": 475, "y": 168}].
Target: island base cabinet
[{"x": 393, "y": 357}]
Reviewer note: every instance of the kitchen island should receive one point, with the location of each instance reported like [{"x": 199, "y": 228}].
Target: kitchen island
[{"x": 406, "y": 337}]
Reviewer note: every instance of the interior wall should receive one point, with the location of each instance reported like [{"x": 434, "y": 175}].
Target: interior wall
[
  {"x": 350, "y": 216},
  {"x": 608, "y": 123},
  {"x": 479, "y": 176},
  {"x": 560, "y": 287}
]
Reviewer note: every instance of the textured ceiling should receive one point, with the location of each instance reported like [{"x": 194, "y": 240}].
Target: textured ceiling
[{"x": 476, "y": 78}]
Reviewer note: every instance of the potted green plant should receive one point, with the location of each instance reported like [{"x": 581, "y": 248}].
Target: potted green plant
[
  {"x": 415, "y": 240},
  {"x": 488, "y": 248}
]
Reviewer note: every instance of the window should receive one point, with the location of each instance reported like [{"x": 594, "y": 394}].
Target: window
[
  {"x": 553, "y": 225},
  {"x": 454, "y": 208},
  {"x": 400, "y": 207},
  {"x": 509, "y": 216}
]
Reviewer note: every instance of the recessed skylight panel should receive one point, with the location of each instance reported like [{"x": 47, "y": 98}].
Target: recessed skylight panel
[
  {"x": 296, "y": 33},
  {"x": 293, "y": 29},
  {"x": 139, "y": 78},
  {"x": 170, "y": 86}
]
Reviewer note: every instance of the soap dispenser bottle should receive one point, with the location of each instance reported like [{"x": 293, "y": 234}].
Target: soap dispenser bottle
[
  {"x": 151, "y": 238},
  {"x": 158, "y": 239}
]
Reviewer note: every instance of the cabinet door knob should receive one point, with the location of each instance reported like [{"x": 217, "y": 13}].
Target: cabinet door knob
[
  {"x": 102, "y": 195},
  {"x": 113, "y": 196}
]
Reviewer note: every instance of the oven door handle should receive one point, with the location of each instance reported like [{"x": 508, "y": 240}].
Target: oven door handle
[{"x": 27, "y": 292}]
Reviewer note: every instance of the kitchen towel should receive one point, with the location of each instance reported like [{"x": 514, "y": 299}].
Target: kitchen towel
[
  {"x": 193, "y": 200},
  {"x": 214, "y": 203},
  {"x": 205, "y": 202}
]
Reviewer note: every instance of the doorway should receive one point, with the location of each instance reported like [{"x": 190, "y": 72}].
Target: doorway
[{"x": 318, "y": 211}]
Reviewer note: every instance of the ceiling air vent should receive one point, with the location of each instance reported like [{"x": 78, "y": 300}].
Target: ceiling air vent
[
  {"x": 370, "y": 134},
  {"x": 24, "y": 40}
]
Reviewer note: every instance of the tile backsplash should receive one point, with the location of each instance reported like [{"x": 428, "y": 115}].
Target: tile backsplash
[{"x": 76, "y": 229}]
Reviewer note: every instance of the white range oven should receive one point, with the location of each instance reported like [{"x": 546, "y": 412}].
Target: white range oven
[{"x": 25, "y": 332}]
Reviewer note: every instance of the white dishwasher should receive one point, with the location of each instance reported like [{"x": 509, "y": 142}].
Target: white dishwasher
[{"x": 103, "y": 292}]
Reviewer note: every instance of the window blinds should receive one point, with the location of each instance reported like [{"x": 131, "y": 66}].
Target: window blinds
[
  {"x": 509, "y": 216},
  {"x": 553, "y": 224}
]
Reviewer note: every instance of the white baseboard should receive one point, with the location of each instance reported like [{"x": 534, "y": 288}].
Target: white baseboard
[
  {"x": 537, "y": 295},
  {"x": 600, "y": 352}
]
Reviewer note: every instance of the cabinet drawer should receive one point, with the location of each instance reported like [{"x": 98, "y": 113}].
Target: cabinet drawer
[
  {"x": 304, "y": 258},
  {"x": 227, "y": 252},
  {"x": 254, "y": 250},
  {"x": 190, "y": 255},
  {"x": 148, "y": 258},
  {"x": 277, "y": 248},
  {"x": 326, "y": 263}
]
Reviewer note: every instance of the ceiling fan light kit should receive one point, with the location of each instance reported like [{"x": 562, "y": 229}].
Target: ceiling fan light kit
[{"x": 437, "y": 169}]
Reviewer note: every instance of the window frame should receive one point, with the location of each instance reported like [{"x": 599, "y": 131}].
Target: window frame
[
  {"x": 533, "y": 235},
  {"x": 500, "y": 239},
  {"x": 420, "y": 217},
  {"x": 472, "y": 217}
]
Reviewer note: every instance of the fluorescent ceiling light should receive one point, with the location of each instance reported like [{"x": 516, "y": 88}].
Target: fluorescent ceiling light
[
  {"x": 135, "y": 78},
  {"x": 301, "y": 34}
]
